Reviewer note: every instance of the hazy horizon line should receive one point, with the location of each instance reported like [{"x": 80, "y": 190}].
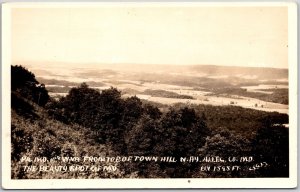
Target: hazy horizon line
[{"x": 76, "y": 64}]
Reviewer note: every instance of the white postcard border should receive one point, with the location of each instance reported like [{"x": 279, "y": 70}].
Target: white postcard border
[{"x": 9, "y": 183}]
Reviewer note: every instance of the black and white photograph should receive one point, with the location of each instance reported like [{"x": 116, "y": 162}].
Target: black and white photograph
[{"x": 161, "y": 95}]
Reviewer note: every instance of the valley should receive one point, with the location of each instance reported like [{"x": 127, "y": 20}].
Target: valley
[{"x": 168, "y": 85}]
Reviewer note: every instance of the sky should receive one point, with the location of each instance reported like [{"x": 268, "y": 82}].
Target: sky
[{"x": 230, "y": 36}]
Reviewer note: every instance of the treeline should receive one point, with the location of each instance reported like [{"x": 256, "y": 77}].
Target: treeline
[
  {"x": 132, "y": 127},
  {"x": 277, "y": 96},
  {"x": 166, "y": 94}
]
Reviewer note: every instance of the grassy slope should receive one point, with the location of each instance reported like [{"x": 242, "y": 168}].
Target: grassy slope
[{"x": 47, "y": 137}]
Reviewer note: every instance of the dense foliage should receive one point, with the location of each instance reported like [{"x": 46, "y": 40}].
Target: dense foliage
[{"x": 91, "y": 122}]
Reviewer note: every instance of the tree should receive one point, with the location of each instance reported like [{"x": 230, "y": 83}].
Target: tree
[
  {"x": 24, "y": 83},
  {"x": 271, "y": 145},
  {"x": 21, "y": 77},
  {"x": 133, "y": 109},
  {"x": 178, "y": 133},
  {"x": 153, "y": 112},
  {"x": 224, "y": 143},
  {"x": 102, "y": 112}
]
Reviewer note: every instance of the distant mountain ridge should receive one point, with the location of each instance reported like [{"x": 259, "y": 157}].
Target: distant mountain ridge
[
  {"x": 260, "y": 72},
  {"x": 205, "y": 70}
]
